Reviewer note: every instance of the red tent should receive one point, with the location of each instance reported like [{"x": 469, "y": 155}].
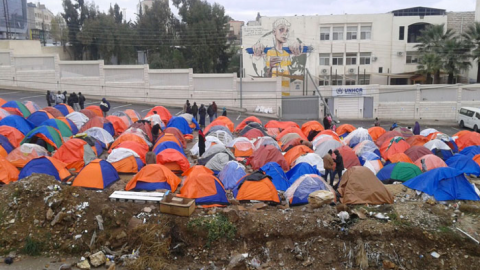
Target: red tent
[{"x": 265, "y": 154}]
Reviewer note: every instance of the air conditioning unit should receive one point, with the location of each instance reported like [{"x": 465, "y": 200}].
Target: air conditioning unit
[
  {"x": 399, "y": 53},
  {"x": 351, "y": 70},
  {"x": 374, "y": 59},
  {"x": 324, "y": 71}
]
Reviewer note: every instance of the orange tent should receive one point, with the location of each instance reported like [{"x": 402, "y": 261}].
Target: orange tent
[
  {"x": 387, "y": 136},
  {"x": 376, "y": 132},
  {"x": 95, "y": 109},
  {"x": 245, "y": 121},
  {"x": 98, "y": 174},
  {"x": 432, "y": 162},
  {"x": 127, "y": 165},
  {"x": 296, "y": 152},
  {"x": 461, "y": 133},
  {"x": 8, "y": 172},
  {"x": 135, "y": 116},
  {"x": 250, "y": 188},
  {"x": 350, "y": 159},
  {"x": 242, "y": 148},
  {"x": 99, "y": 122},
  {"x": 2, "y": 101},
  {"x": 206, "y": 189},
  {"x": 468, "y": 139},
  {"x": 292, "y": 143},
  {"x": 21, "y": 155},
  {"x": 417, "y": 140},
  {"x": 89, "y": 113},
  {"x": 329, "y": 132},
  {"x": 54, "y": 112},
  {"x": 344, "y": 129},
  {"x": 311, "y": 125},
  {"x": 13, "y": 135},
  {"x": 128, "y": 137},
  {"x": 178, "y": 134},
  {"x": 167, "y": 137},
  {"x": 281, "y": 125},
  {"x": 197, "y": 169},
  {"x": 477, "y": 159},
  {"x": 220, "y": 121},
  {"x": 162, "y": 111},
  {"x": 400, "y": 157},
  {"x": 291, "y": 130},
  {"x": 72, "y": 153},
  {"x": 393, "y": 146},
  {"x": 140, "y": 148},
  {"x": 265, "y": 154},
  {"x": 118, "y": 124},
  {"x": 173, "y": 160},
  {"x": 153, "y": 177}
]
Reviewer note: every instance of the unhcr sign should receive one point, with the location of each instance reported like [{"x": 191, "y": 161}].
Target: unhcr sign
[{"x": 348, "y": 91}]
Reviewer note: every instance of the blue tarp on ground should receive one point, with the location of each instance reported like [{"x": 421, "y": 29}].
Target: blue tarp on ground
[
  {"x": 464, "y": 164},
  {"x": 471, "y": 151}
]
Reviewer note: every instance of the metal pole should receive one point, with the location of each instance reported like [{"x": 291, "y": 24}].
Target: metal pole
[{"x": 241, "y": 76}]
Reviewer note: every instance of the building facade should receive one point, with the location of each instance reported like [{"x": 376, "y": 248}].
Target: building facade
[
  {"x": 235, "y": 31},
  {"x": 13, "y": 19},
  {"x": 39, "y": 22},
  {"x": 342, "y": 49}
]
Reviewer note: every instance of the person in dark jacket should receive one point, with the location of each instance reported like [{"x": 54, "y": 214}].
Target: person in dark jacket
[
  {"x": 224, "y": 113},
  {"x": 211, "y": 113},
  {"x": 105, "y": 106},
  {"x": 75, "y": 101},
  {"x": 326, "y": 123},
  {"x": 202, "y": 112},
  {"x": 70, "y": 100},
  {"x": 377, "y": 122},
  {"x": 328, "y": 166},
  {"x": 64, "y": 96},
  {"x": 49, "y": 98},
  {"x": 338, "y": 167},
  {"x": 201, "y": 142},
  {"x": 215, "y": 109},
  {"x": 416, "y": 128},
  {"x": 195, "y": 110},
  {"x": 81, "y": 100}
]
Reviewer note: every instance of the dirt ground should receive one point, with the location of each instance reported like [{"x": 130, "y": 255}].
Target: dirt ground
[{"x": 41, "y": 217}]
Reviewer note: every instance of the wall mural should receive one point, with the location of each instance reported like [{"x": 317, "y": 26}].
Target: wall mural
[{"x": 278, "y": 53}]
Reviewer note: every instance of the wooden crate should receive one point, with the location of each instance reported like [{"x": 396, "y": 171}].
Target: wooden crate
[{"x": 177, "y": 206}]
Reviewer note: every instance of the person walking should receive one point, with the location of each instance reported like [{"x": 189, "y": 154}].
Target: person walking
[
  {"x": 416, "y": 128},
  {"x": 338, "y": 167},
  {"x": 377, "y": 122},
  {"x": 326, "y": 123},
  {"x": 328, "y": 166},
  {"x": 105, "y": 106},
  {"x": 224, "y": 113},
  {"x": 210, "y": 113},
  {"x": 195, "y": 111},
  {"x": 59, "y": 98},
  {"x": 49, "y": 98},
  {"x": 75, "y": 101},
  {"x": 185, "y": 106},
  {"x": 201, "y": 143},
  {"x": 64, "y": 96},
  {"x": 214, "y": 107},
  {"x": 81, "y": 100},
  {"x": 202, "y": 113}
]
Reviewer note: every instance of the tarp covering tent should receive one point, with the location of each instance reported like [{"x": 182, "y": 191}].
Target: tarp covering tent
[
  {"x": 266, "y": 141},
  {"x": 360, "y": 186},
  {"x": 312, "y": 159},
  {"x": 399, "y": 157},
  {"x": 311, "y": 126},
  {"x": 78, "y": 118},
  {"x": 299, "y": 170},
  {"x": 162, "y": 111},
  {"x": 209, "y": 142},
  {"x": 222, "y": 135},
  {"x": 366, "y": 156},
  {"x": 65, "y": 130},
  {"x": 217, "y": 128},
  {"x": 38, "y": 117},
  {"x": 13, "y": 135},
  {"x": 243, "y": 147},
  {"x": 277, "y": 175},
  {"x": 8, "y": 172},
  {"x": 349, "y": 157},
  {"x": 19, "y": 106},
  {"x": 54, "y": 112},
  {"x": 431, "y": 161},
  {"x": 281, "y": 125},
  {"x": 245, "y": 122},
  {"x": 323, "y": 148},
  {"x": 298, "y": 192},
  {"x": 153, "y": 177},
  {"x": 256, "y": 186},
  {"x": 168, "y": 145},
  {"x": 387, "y": 136},
  {"x": 444, "y": 184},
  {"x": 101, "y": 135},
  {"x": 468, "y": 151},
  {"x": 289, "y": 137},
  {"x": 135, "y": 116},
  {"x": 427, "y": 132},
  {"x": 291, "y": 130},
  {"x": 374, "y": 165},
  {"x": 296, "y": 152},
  {"x": 45, "y": 165},
  {"x": 439, "y": 148},
  {"x": 231, "y": 174},
  {"x": 64, "y": 108},
  {"x": 357, "y": 136},
  {"x": 468, "y": 139},
  {"x": 118, "y": 123},
  {"x": 18, "y": 122},
  {"x": 95, "y": 109},
  {"x": 98, "y": 174},
  {"x": 394, "y": 146},
  {"x": 344, "y": 130},
  {"x": 21, "y": 155},
  {"x": 464, "y": 164},
  {"x": 265, "y": 154},
  {"x": 144, "y": 127},
  {"x": 417, "y": 140},
  {"x": 75, "y": 153},
  {"x": 400, "y": 172},
  {"x": 181, "y": 124},
  {"x": 406, "y": 133},
  {"x": 366, "y": 146},
  {"x": 96, "y": 146},
  {"x": 90, "y": 114},
  {"x": 99, "y": 122},
  {"x": 192, "y": 122},
  {"x": 173, "y": 160},
  {"x": 140, "y": 149},
  {"x": 125, "y": 160},
  {"x": 49, "y": 135},
  {"x": 177, "y": 133},
  {"x": 217, "y": 162},
  {"x": 206, "y": 189},
  {"x": 416, "y": 152}
]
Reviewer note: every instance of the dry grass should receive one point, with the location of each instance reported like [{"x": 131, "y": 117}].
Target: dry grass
[
  {"x": 361, "y": 257},
  {"x": 154, "y": 242}
]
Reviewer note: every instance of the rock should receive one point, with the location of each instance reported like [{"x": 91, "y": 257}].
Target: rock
[
  {"x": 121, "y": 235},
  {"x": 234, "y": 202},
  {"x": 100, "y": 222},
  {"x": 112, "y": 267},
  {"x": 241, "y": 208},
  {"x": 35, "y": 222},
  {"x": 97, "y": 259},
  {"x": 359, "y": 213},
  {"x": 12, "y": 221},
  {"x": 65, "y": 267},
  {"x": 83, "y": 265},
  {"x": 133, "y": 223},
  {"x": 307, "y": 263},
  {"x": 388, "y": 265},
  {"x": 231, "y": 214},
  {"x": 8, "y": 260},
  {"x": 238, "y": 262},
  {"x": 259, "y": 206},
  {"x": 282, "y": 207},
  {"x": 147, "y": 210},
  {"x": 57, "y": 218},
  {"x": 319, "y": 198},
  {"x": 342, "y": 207}
]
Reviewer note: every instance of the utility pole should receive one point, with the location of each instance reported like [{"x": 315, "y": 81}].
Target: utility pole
[
  {"x": 241, "y": 77},
  {"x": 5, "y": 13}
]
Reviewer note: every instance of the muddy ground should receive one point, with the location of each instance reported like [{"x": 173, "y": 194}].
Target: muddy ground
[{"x": 41, "y": 217}]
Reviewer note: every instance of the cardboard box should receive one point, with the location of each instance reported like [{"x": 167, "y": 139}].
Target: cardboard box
[{"x": 177, "y": 206}]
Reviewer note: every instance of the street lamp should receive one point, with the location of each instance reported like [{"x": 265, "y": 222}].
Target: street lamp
[{"x": 241, "y": 76}]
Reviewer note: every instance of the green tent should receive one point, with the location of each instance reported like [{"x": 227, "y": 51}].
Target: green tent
[
  {"x": 64, "y": 129},
  {"x": 400, "y": 171},
  {"x": 52, "y": 138}
]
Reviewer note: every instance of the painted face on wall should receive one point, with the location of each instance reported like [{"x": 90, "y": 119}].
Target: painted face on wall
[{"x": 281, "y": 33}]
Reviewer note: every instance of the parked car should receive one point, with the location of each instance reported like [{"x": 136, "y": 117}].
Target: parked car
[{"x": 470, "y": 118}]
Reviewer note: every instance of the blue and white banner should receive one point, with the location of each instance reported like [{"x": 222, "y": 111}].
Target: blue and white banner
[{"x": 348, "y": 91}]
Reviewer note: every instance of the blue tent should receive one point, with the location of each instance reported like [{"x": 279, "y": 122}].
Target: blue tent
[
  {"x": 279, "y": 178},
  {"x": 168, "y": 145},
  {"x": 307, "y": 184},
  {"x": 365, "y": 156},
  {"x": 5, "y": 143},
  {"x": 299, "y": 170},
  {"x": 197, "y": 126},
  {"x": 445, "y": 184},
  {"x": 181, "y": 124},
  {"x": 231, "y": 174},
  {"x": 18, "y": 122},
  {"x": 45, "y": 165},
  {"x": 471, "y": 151},
  {"x": 464, "y": 164}
]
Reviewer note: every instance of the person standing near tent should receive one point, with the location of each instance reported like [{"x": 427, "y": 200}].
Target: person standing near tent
[
  {"x": 328, "y": 166},
  {"x": 338, "y": 167},
  {"x": 215, "y": 109},
  {"x": 326, "y": 123},
  {"x": 416, "y": 128},
  {"x": 202, "y": 112},
  {"x": 224, "y": 113},
  {"x": 394, "y": 126},
  {"x": 70, "y": 100},
  {"x": 377, "y": 122},
  {"x": 75, "y": 101},
  {"x": 64, "y": 96},
  {"x": 185, "y": 106},
  {"x": 195, "y": 110},
  {"x": 81, "y": 100},
  {"x": 330, "y": 122},
  {"x": 201, "y": 142},
  {"x": 105, "y": 106},
  {"x": 210, "y": 113},
  {"x": 59, "y": 98},
  {"x": 49, "y": 98}
]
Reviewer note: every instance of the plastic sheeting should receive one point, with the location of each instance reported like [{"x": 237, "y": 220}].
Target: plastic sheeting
[
  {"x": 222, "y": 135},
  {"x": 100, "y": 134},
  {"x": 437, "y": 144},
  {"x": 242, "y": 144},
  {"x": 121, "y": 153},
  {"x": 325, "y": 146},
  {"x": 78, "y": 118},
  {"x": 298, "y": 192},
  {"x": 218, "y": 162},
  {"x": 357, "y": 136},
  {"x": 312, "y": 159},
  {"x": 209, "y": 141},
  {"x": 215, "y": 149},
  {"x": 266, "y": 141},
  {"x": 427, "y": 132},
  {"x": 138, "y": 132},
  {"x": 231, "y": 174},
  {"x": 365, "y": 147},
  {"x": 26, "y": 152}
]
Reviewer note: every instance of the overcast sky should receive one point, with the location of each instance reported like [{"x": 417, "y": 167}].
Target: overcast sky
[{"x": 246, "y": 10}]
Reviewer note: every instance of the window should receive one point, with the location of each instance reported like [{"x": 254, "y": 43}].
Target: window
[
  {"x": 380, "y": 70},
  {"x": 352, "y": 32},
  {"x": 325, "y": 80},
  {"x": 365, "y": 32},
  {"x": 477, "y": 115},
  {"x": 337, "y": 59},
  {"x": 365, "y": 58},
  {"x": 337, "y": 80},
  {"x": 324, "y": 33},
  {"x": 350, "y": 81},
  {"x": 401, "y": 33},
  {"x": 364, "y": 80},
  {"x": 351, "y": 58},
  {"x": 412, "y": 57},
  {"x": 338, "y": 33},
  {"x": 325, "y": 59}
]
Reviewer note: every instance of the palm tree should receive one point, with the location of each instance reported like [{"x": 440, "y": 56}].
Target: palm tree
[
  {"x": 455, "y": 57},
  {"x": 472, "y": 36},
  {"x": 429, "y": 64}
]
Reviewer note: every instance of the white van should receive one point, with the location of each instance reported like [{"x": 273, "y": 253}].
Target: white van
[{"x": 469, "y": 117}]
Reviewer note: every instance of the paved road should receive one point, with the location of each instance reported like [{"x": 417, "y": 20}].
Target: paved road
[{"x": 236, "y": 117}]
